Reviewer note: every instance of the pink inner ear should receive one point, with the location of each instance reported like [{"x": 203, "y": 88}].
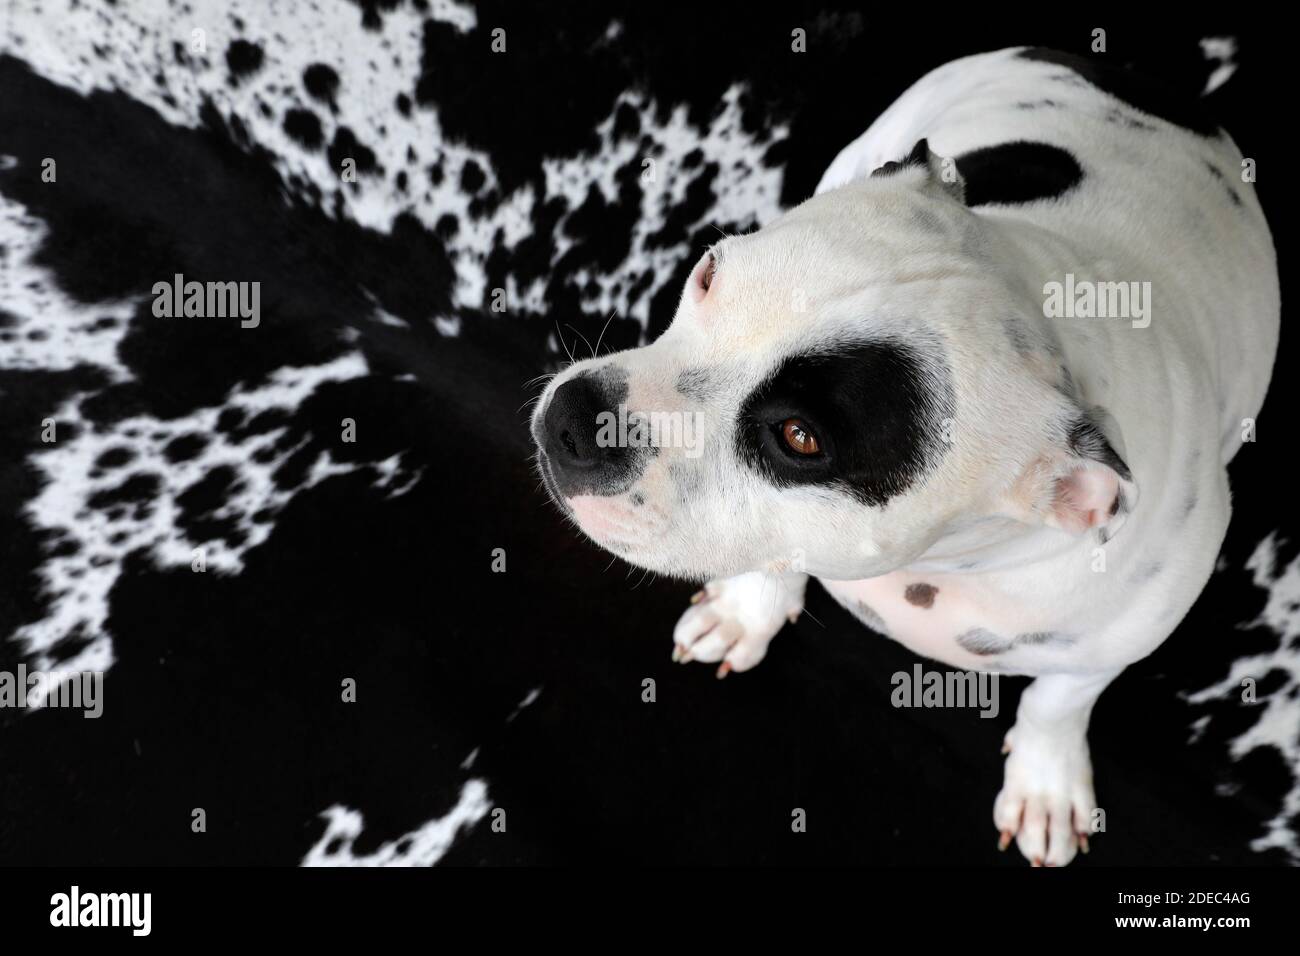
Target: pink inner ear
[{"x": 1085, "y": 498}]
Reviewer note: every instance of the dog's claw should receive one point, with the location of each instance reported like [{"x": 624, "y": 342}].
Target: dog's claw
[
  {"x": 1004, "y": 840},
  {"x": 1006, "y": 746},
  {"x": 1083, "y": 843},
  {"x": 724, "y": 669},
  {"x": 699, "y": 596}
]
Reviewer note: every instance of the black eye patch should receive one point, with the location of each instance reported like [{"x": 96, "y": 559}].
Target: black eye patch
[{"x": 875, "y": 409}]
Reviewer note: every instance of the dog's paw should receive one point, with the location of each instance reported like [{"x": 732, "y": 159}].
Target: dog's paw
[
  {"x": 733, "y": 620},
  {"x": 1047, "y": 801}
]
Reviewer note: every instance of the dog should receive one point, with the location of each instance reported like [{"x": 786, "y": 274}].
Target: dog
[{"x": 983, "y": 385}]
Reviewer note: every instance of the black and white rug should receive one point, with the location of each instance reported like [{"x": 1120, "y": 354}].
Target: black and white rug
[{"x": 338, "y": 623}]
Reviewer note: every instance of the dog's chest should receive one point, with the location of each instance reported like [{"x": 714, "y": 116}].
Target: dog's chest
[{"x": 955, "y": 619}]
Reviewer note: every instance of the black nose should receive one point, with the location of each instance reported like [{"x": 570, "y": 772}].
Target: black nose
[{"x": 575, "y": 440}]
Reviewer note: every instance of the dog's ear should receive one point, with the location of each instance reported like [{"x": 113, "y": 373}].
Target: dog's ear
[
  {"x": 1081, "y": 481},
  {"x": 941, "y": 172}
]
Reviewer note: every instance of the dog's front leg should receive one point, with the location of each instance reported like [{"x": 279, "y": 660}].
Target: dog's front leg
[
  {"x": 733, "y": 620},
  {"x": 1047, "y": 800}
]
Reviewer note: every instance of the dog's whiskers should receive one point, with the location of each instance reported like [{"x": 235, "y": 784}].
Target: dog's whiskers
[
  {"x": 583, "y": 337},
  {"x": 568, "y": 351},
  {"x": 596, "y": 353},
  {"x": 539, "y": 378}
]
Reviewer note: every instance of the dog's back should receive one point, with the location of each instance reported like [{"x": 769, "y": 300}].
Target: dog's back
[{"x": 1139, "y": 181}]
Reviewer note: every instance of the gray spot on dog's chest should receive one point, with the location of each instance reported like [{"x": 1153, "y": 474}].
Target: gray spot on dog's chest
[
  {"x": 868, "y": 616},
  {"x": 985, "y": 643}
]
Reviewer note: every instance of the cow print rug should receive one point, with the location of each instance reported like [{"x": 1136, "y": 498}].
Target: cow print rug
[{"x": 338, "y": 622}]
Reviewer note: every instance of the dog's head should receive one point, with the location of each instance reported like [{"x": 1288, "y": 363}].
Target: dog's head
[{"x": 836, "y": 393}]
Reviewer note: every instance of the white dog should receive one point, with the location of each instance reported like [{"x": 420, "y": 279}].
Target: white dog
[{"x": 942, "y": 386}]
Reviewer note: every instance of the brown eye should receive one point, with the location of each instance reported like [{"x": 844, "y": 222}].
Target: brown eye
[
  {"x": 706, "y": 277},
  {"x": 799, "y": 437}
]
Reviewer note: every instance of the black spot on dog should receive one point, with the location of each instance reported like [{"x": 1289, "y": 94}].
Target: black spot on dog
[
  {"x": 1037, "y": 104},
  {"x": 638, "y": 499},
  {"x": 1142, "y": 93},
  {"x": 322, "y": 82},
  {"x": 302, "y": 126},
  {"x": 875, "y": 408},
  {"x": 1189, "y": 506},
  {"x": 1018, "y": 172},
  {"x": 921, "y": 595},
  {"x": 243, "y": 59},
  {"x": 983, "y": 642}
]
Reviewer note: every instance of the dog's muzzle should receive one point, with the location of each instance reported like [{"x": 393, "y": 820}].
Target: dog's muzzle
[{"x": 576, "y": 448}]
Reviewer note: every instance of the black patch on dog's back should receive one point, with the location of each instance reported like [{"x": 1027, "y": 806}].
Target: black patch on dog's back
[
  {"x": 1143, "y": 93},
  {"x": 1018, "y": 172},
  {"x": 875, "y": 411}
]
